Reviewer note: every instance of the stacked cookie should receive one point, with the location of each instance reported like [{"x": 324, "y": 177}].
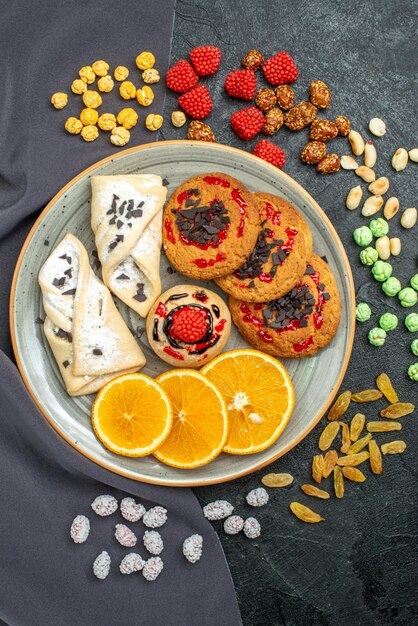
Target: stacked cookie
[{"x": 258, "y": 249}]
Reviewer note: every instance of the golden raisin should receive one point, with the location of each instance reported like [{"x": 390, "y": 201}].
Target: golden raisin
[
  {"x": 317, "y": 467},
  {"x": 368, "y": 395},
  {"x": 311, "y": 490},
  {"x": 273, "y": 121},
  {"x": 398, "y": 409},
  {"x": 356, "y": 426},
  {"x": 383, "y": 383},
  {"x": 277, "y": 480},
  {"x": 359, "y": 444},
  {"x": 354, "y": 474},
  {"x": 338, "y": 482},
  {"x": 383, "y": 427},
  {"x": 328, "y": 435},
  {"x": 340, "y": 406},
  {"x": 375, "y": 457},
  {"x": 345, "y": 437},
  {"x": 393, "y": 447},
  {"x": 305, "y": 514},
  {"x": 353, "y": 459},
  {"x": 330, "y": 461}
]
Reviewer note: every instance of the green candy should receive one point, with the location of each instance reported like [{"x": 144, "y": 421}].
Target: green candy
[
  {"x": 414, "y": 347},
  {"x": 363, "y": 312},
  {"x": 391, "y": 286},
  {"x": 377, "y": 336},
  {"x": 368, "y": 256},
  {"x": 414, "y": 282},
  {"x": 408, "y": 297},
  {"x": 382, "y": 271},
  {"x": 388, "y": 321},
  {"x": 379, "y": 227},
  {"x": 411, "y": 322},
  {"x": 363, "y": 236},
  {"x": 413, "y": 371}
]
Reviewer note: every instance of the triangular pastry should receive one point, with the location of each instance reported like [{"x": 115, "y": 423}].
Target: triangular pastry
[
  {"x": 87, "y": 335},
  {"x": 126, "y": 218}
]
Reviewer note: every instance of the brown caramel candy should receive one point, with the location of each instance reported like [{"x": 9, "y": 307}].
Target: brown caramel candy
[
  {"x": 329, "y": 164},
  {"x": 320, "y": 94},
  {"x": 343, "y": 125},
  {"x": 323, "y": 130},
  {"x": 285, "y": 97},
  {"x": 273, "y": 121},
  {"x": 313, "y": 152},
  {"x": 265, "y": 99},
  {"x": 198, "y": 131},
  {"x": 300, "y": 116},
  {"x": 252, "y": 60}
]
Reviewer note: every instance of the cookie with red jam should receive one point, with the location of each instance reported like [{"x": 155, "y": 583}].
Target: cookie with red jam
[
  {"x": 279, "y": 257},
  {"x": 297, "y": 324},
  {"x": 188, "y": 326},
  {"x": 210, "y": 225}
]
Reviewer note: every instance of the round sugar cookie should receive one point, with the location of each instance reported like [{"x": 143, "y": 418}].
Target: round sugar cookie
[
  {"x": 210, "y": 225},
  {"x": 188, "y": 326},
  {"x": 299, "y": 323},
  {"x": 279, "y": 257}
]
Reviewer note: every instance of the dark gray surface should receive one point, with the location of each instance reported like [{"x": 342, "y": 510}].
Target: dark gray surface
[{"x": 360, "y": 566}]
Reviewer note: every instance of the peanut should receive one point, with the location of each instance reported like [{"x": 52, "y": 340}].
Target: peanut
[
  {"x": 372, "y": 206},
  {"x": 348, "y": 163},
  {"x": 377, "y": 127},
  {"x": 354, "y": 198},
  {"x": 409, "y": 218},
  {"x": 356, "y": 142},
  {"x": 367, "y": 174},
  {"x": 400, "y": 159},
  {"x": 379, "y": 186},
  {"x": 395, "y": 246},
  {"x": 370, "y": 154},
  {"x": 413, "y": 155},
  {"x": 391, "y": 207},
  {"x": 383, "y": 247}
]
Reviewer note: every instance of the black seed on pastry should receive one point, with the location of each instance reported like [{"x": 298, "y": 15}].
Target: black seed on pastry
[
  {"x": 112, "y": 221},
  {"x": 122, "y": 277},
  {"x": 140, "y": 297},
  {"x": 56, "y": 282},
  {"x": 66, "y": 363},
  {"x": 97, "y": 352},
  {"x": 39, "y": 320},
  {"x": 119, "y": 224},
  {"x": 113, "y": 245},
  {"x": 69, "y": 292},
  {"x": 46, "y": 242}
]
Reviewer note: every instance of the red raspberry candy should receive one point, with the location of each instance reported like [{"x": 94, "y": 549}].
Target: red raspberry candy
[
  {"x": 196, "y": 102},
  {"x": 280, "y": 69},
  {"x": 181, "y": 77},
  {"x": 206, "y": 60},
  {"x": 270, "y": 153},
  {"x": 189, "y": 325},
  {"x": 247, "y": 123},
  {"x": 241, "y": 84}
]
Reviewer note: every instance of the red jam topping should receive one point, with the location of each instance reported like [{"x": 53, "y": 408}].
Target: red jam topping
[
  {"x": 176, "y": 355},
  {"x": 161, "y": 310},
  {"x": 318, "y": 317},
  {"x": 291, "y": 233},
  {"x": 183, "y": 196},
  {"x": 265, "y": 278},
  {"x": 201, "y": 296},
  {"x": 272, "y": 214},
  {"x": 220, "y": 326},
  {"x": 236, "y": 196},
  {"x": 169, "y": 231},
  {"x": 205, "y": 263},
  {"x": 303, "y": 345},
  {"x": 216, "y": 180},
  {"x": 252, "y": 319}
]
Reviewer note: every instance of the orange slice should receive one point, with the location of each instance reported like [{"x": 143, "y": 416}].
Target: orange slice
[
  {"x": 200, "y": 420},
  {"x": 131, "y": 415},
  {"x": 259, "y": 396}
]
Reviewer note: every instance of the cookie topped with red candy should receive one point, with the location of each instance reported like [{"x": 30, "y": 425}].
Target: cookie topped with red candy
[
  {"x": 188, "y": 326},
  {"x": 279, "y": 257},
  {"x": 210, "y": 226}
]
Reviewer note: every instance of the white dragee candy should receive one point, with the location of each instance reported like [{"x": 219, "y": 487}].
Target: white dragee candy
[
  {"x": 233, "y": 525},
  {"x": 80, "y": 529},
  {"x": 257, "y": 497},
  {"x": 125, "y": 536},
  {"x": 131, "y": 563},
  {"x": 101, "y": 565},
  {"x": 252, "y": 528},
  {"x": 192, "y": 548},
  {"x": 131, "y": 510},
  {"x": 152, "y": 568},
  {"x": 104, "y": 505},
  {"x": 155, "y": 517},
  {"x": 153, "y": 541},
  {"x": 219, "y": 509}
]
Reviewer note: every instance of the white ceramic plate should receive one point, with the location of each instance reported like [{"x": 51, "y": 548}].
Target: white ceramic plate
[{"x": 316, "y": 379}]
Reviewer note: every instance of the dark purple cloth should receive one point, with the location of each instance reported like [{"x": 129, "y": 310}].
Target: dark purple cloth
[{"x": 44, "y": 483}]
